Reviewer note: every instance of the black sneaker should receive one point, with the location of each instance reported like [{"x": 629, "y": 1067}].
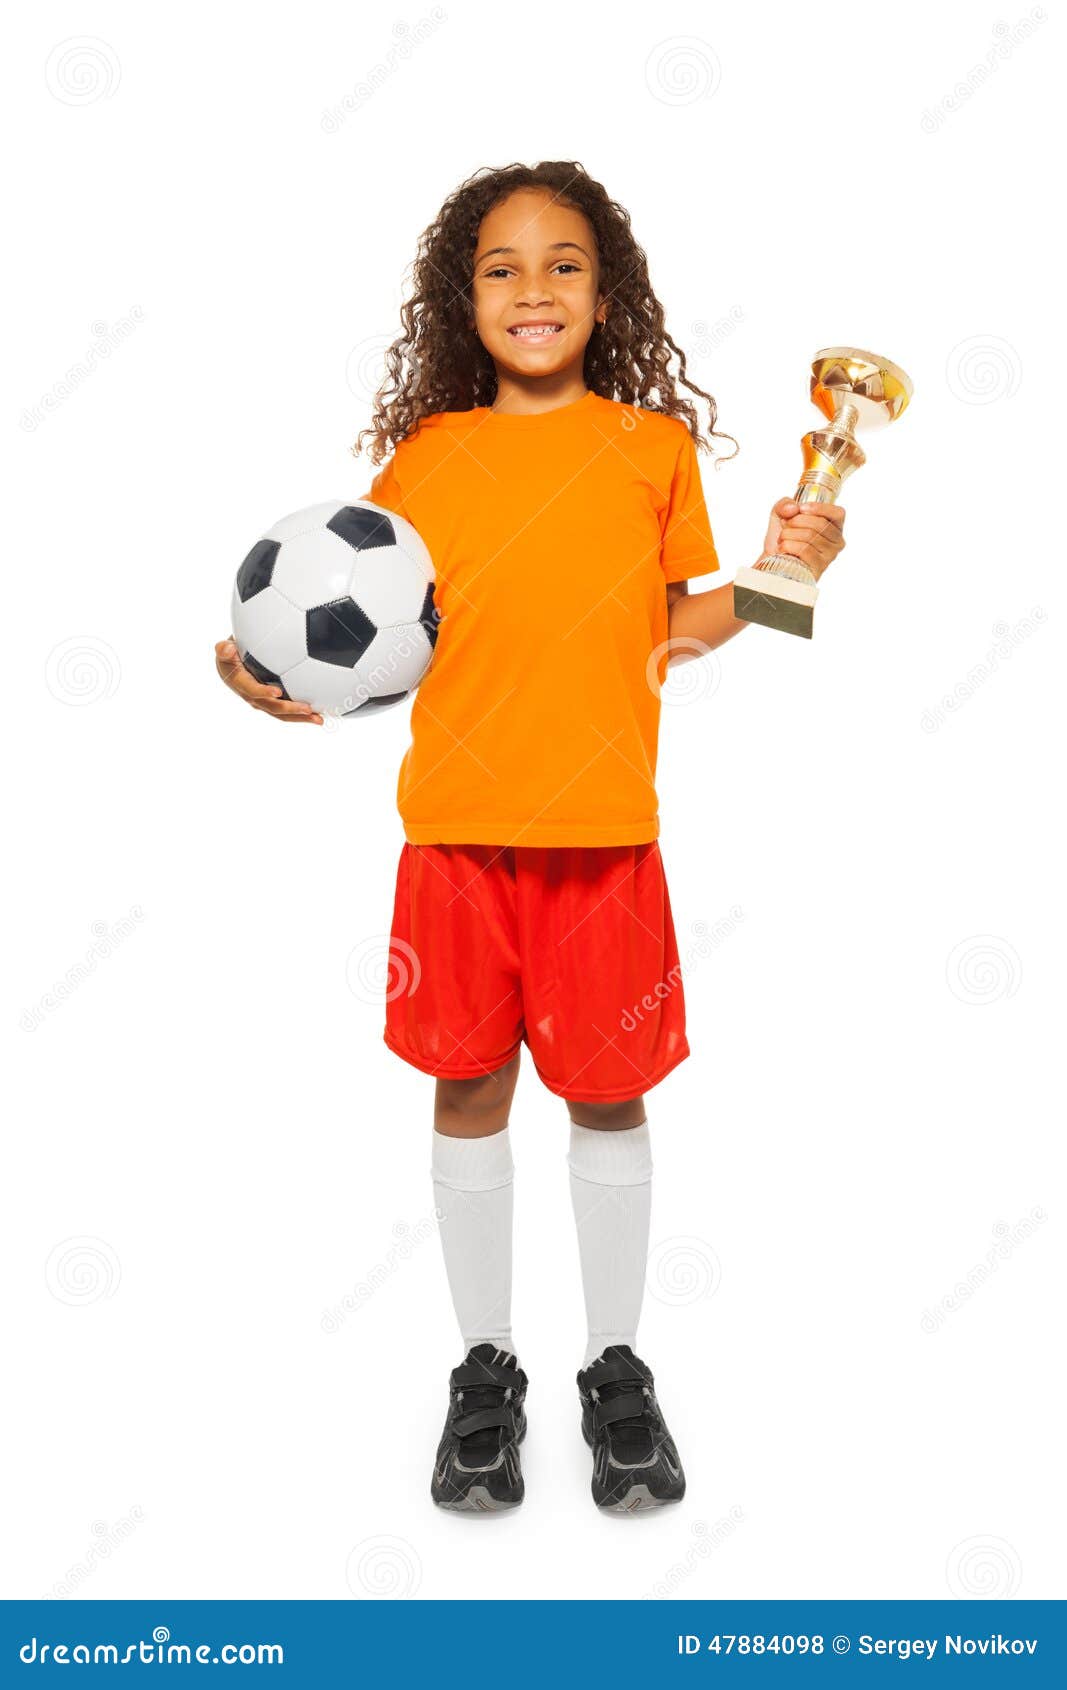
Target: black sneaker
[
  {"x": 477, "y": 1468},
  {"x": 635, "y": 1463}
]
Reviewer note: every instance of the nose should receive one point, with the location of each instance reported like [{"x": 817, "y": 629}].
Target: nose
[{"x": 534, "y": 292}]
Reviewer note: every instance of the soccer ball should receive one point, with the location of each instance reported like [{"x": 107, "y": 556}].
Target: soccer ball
[{"x": 335, "y": 605}]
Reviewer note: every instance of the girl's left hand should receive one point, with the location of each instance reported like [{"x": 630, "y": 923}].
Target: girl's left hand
[{"x": 811, "y": 533}]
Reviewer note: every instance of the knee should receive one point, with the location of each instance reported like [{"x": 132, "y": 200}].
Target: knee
[
  {"x": 608, "y": 1117},
  {"x": 477, "y": 1106}
]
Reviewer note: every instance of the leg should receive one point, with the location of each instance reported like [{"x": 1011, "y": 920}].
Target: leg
[
  {"x": 477, "y": 1466},
  {"x": 635, "y": 1460},
  {"x": 476, "y": 1108},
  {"x": 608, "y": 1117},
  {"x": 472, "y": 1178},
  {"x": 611, "y": 1191}
]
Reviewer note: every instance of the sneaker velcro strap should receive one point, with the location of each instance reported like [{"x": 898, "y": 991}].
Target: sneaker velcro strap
[
  {"x": 614, "y": 1371},
  {"x": 469, "y": 1377},
  {"x": 623, "y": 1407},
  {"x": 480, "y": 1419}
]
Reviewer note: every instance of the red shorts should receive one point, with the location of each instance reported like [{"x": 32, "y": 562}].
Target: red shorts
[{"x": 570, "y": 948}]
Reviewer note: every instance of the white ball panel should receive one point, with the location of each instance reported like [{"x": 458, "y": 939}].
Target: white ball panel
[
  {"x": 303, "y": 522},
  {"x": 314, "y": 568},
  {"x": 387, "y": 586},
  {"x": 270, "y": 628},
  {"x": 412, "y": 542},
  {"x": 325, "y": 686}
]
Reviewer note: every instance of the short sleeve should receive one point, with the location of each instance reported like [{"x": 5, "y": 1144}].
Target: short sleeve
[
  {"x": 385, "y": 489},
  {"x": 688, "y": 547}
]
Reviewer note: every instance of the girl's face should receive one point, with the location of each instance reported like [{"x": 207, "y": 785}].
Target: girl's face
[{"x": 535, "y": 269}]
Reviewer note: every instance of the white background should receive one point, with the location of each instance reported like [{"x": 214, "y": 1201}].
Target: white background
[{"x": 210, "y": 1146}]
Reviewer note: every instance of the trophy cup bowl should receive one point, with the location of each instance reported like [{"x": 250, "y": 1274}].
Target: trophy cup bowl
[{"x": 853, "y": 389}]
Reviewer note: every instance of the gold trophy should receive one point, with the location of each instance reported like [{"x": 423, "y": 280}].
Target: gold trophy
[{"x": 853, "y": 389}]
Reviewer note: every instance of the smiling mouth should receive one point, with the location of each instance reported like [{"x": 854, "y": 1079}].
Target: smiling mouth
[{"x": 535, "y": 331}]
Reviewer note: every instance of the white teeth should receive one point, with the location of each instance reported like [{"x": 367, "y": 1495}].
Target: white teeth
[{"x": 528, "y": 334}]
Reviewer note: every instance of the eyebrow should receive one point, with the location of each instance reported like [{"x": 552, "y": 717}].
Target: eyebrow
[{"x": 557, "y": 246}]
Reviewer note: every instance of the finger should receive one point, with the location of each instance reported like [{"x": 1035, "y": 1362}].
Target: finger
[
  {"x": 226, "y": 651},
  {"x": 817, "y": 517},
  {"x": 833, "y": 516},
  {"x": 287, "y": 707},
  {"x": 816, "y": 558},
  {"x": 798, "y": 545},
  {"x": 233, "y": 672},
  {"x": 242, "y": 681},
  {"x": 246, "y": 686},
  {"x": 270, "y": 707},
  {"x": 227, "y": 657},
  {"x": 294, "y": 721}
]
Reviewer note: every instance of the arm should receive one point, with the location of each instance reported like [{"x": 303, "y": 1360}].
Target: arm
[
  {"x": 699, "y": 620},
  {"x": 811, "y": 533}
]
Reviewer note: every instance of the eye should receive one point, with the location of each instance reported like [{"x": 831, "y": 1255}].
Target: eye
[{"x": 504, "y": 269}]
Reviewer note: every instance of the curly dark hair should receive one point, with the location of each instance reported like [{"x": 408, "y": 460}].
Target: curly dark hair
[{"x": 439, "y": 364}]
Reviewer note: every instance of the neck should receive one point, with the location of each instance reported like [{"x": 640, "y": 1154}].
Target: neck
[{"x": 528, "y": 395}]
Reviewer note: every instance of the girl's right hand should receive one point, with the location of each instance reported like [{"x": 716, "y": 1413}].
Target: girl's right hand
[{"x": 260, "y": 697}]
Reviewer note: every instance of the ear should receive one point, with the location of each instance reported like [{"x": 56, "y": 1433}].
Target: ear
[{"x": 600, "y": 313}]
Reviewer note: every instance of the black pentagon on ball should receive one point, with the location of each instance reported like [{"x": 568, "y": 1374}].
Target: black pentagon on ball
[
  {"x": 261, "y": 673},
  {"x": 430, "y": 616},
  {"x": 339, "y": 632},
  {"x": 362, "y": 529},
  {"x": 256, "y": 570}
]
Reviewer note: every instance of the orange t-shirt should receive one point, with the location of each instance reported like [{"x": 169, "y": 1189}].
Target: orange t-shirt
[{"x": 553, "y": 537}]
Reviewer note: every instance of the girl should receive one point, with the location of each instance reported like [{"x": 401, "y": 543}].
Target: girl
[{"x": 541, "y": 448}]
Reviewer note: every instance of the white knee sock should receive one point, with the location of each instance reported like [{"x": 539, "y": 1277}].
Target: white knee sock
[
  {"x": 472, "y": 1183},
  {"x": 611, "y": 1190}
]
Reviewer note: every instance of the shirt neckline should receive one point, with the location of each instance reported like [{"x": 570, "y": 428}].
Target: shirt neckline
[{"x": 512, "y": 419}]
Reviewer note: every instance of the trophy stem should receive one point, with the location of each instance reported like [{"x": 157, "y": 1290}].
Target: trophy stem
[{"x": 845, "y": 419}]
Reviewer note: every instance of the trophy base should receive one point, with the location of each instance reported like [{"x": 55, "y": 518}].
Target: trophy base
[{"x": 775, "y": 601}]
